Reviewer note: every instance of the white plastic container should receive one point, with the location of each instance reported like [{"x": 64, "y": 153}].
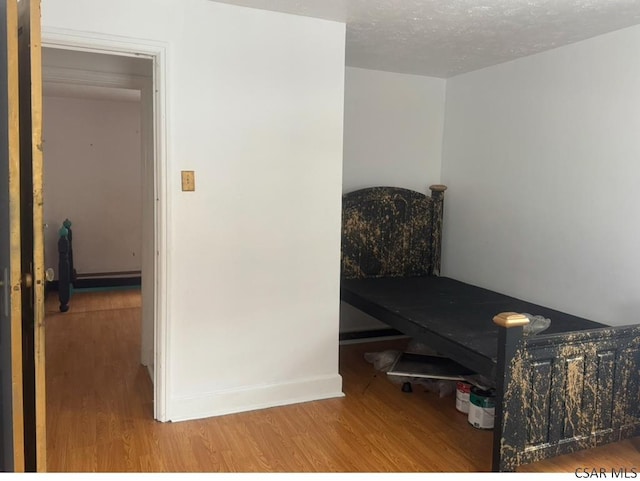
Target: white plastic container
[{"x": 463, "y": 390}]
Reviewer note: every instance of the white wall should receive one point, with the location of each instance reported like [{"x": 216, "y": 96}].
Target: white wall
[
  {"x": 92, "y": 176},
  {"x": 393, "y": 127},
  {"x": 255, "y": 107},
  {"x": 541, "y": 159}
]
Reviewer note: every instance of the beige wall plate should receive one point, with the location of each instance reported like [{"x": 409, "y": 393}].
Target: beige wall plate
[{"x": 188, "y": 181}]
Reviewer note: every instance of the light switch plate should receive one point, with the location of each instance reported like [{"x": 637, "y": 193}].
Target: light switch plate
[{"x": 188, "y": 181}]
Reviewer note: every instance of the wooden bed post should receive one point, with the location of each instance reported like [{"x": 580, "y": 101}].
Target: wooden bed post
[
  {"x": 64, "y": 276},
  {"x": 437, "y": 205},
  {"x": 510, "y": 418}
]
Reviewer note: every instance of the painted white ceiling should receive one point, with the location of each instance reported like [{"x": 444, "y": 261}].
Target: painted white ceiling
[{"x": 443, "y": 38}]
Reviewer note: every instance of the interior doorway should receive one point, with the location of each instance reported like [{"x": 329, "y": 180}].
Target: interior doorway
[{"x": 104, "y": 103}]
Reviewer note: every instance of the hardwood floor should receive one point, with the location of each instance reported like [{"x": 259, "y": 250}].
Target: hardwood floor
[{"x": 100, "y": 415}]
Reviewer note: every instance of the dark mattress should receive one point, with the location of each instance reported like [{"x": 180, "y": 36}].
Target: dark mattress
[{"x": 454, "y": 317}]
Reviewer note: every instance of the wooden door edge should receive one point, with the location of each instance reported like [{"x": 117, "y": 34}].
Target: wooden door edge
[{"x": 15, "y": 268}]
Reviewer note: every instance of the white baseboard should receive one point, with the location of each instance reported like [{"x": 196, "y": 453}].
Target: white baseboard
[{"x": 254, "y": 397}]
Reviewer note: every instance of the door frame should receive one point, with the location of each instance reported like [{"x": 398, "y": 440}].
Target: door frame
[{"x": 157, "y": 52}]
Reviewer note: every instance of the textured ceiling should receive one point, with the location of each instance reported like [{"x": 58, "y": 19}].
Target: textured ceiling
[{"x": 442, "y": 38}]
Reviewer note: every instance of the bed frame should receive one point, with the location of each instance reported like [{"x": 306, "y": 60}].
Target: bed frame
[{"x": 556, "y": 393}]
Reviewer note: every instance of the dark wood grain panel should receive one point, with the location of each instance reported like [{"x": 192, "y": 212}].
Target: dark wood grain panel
[
  {"x": 539, "y": 410},
  {"x": 626, "y": 397},
  {"x": 605, "y": 369},
  {"x": 573, "y": 392},
  {"x": 390, "y": 232},
  {"x": 594, "y": 390}
]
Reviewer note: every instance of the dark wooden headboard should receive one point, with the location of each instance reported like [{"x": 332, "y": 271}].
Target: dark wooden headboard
[{"x": 391, "y": 232}]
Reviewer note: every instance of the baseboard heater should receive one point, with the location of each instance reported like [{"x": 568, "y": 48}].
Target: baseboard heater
[
  {"x": 107, "y": 279},
  {"x": 104, "y": 279}
]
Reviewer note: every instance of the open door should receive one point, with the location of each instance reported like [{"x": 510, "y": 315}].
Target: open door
[
  {"x": 11, "y": 405},
  {"x": 32, "y": 233},
  {"x": 22, "y": 381}
]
